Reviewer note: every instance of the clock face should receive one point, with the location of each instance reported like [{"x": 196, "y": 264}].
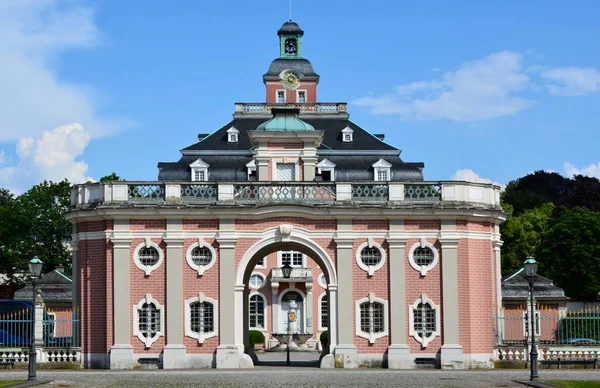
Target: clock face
[{"x": 291, "y": 80}]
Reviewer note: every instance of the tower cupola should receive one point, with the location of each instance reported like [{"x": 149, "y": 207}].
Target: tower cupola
[{"x": 290, "y": 40}]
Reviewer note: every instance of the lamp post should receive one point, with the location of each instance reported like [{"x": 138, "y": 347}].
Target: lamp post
[
  {"x": 531, "y": 267},
  {"x": 35, "y": 271},
  {"x": 287, "y": 273}
]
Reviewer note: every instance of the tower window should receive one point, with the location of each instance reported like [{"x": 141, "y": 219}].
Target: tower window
[
  {"x": 301, "y": 96},
  {"x": 291, "y": 46},
  {"x": 281, "y": 96}
]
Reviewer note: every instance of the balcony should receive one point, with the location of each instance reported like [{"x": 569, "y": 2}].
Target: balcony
[
  {"x": 297, "y": 275},
  {"x": 258, "y": 109},
  {"x": 441, "y": 193}
]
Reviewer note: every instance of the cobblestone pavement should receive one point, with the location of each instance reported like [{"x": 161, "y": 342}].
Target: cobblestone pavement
[{"x": 295, "y": 377}]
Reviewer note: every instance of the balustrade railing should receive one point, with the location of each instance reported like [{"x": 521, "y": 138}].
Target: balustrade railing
[
  {"x": 422, "y": 192},
  {"x": 195, "y": 192},
  {"x": 297, "y": 274},
  {"x": 370, "y": 192},
  {"x": 146, "y": 192},
  {"x": 318, "y": 107},
  {"x": 281, "y": 192}
]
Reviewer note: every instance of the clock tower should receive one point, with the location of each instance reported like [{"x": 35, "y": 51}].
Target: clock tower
[{"x": 291, "y": 79}]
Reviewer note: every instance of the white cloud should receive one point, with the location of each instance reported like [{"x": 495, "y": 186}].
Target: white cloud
[
  {"x": 33, "y": 98},
  {"x": 593, "y": 170},
  {"x": 469, "y": 175},
  {"x": 572, "y": 81},
  {"x": 2, "y": 157},
  {"x": 478, "y": 90},
  {"x": 52, "y": 156}
]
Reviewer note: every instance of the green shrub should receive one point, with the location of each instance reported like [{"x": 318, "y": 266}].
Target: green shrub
[
  {"x": 256, "y": 337},
  {"x": 324, "y": 338}
]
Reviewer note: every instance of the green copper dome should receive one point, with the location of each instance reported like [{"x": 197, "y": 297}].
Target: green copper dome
[{"x": 285, "y": 120}]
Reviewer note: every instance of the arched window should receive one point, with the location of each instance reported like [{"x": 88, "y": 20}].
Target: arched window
[
  {"x": 201, "y": 317},
  {"x": 148, "y": 320},
  {"x": 371, "y": 318},
  {"x": 257, "y": 311},
  {"x": 424, "y": 320}
]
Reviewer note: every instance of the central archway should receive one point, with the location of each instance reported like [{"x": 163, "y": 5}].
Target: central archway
[{"x": 282, "y": 238}]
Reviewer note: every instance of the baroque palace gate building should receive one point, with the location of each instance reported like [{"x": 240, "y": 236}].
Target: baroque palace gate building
[{"x": 397, "y": 269}]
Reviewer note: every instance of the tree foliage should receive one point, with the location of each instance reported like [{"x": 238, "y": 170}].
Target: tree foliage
[
  {"x": 569, "y": 252},
  {"x": 112, "y": 177}
]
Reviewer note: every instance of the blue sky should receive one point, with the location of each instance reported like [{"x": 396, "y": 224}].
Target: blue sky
[{"x": 475, "y": 90}]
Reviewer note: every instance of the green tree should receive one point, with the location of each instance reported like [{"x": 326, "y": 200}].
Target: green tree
[
  {"x": 569, "y": 253},
  {"x": 13, "y": 227},
  {"x": 112, "y": 177},
  {"x": 521, "y": 235}
]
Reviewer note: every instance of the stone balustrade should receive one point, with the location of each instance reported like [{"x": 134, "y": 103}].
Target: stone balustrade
[
  {"x": 297, "y": 275},
  {"x": 316, "y": 108},
  {"x": 333, "y": 193}
]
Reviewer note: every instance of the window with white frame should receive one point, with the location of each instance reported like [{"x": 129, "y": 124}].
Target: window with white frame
[
  {"x": 326, "y": 169},
  {"x": 262, "y": 263},
  {"x": 201, "y": 317},
  {"x": 423, "y": 256},
  {"x": 233, "y": 135},
  {"x": 148, "y": 256},
  {"x": 347, "y": 135},
  {"x": 322, "y": 281},
  {"x": 301, "y": 96},
  {"x": 199, "y": 170},
  {"x": 295, "y": 259},
  {"x": 257, "y": 280},
  {"x": 382, "y": 170},
  {"x": 280, "y": 96},
  {"x": 200, "y": 256},
  {"x": 424, "y": 320},
  {"x": 371, "y": 318},
  {"x": 323, "y": 312},
  {"x": 370, "y": 256},
  {"x": 148, "y": 318},
  {"x": 257, "y": 311}
]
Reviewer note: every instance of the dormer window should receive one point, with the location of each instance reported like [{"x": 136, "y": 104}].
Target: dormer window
[
  {"x": 251, "y": 166},
  {"x": 233, "y": 135},
  {"x": 199, "y": 171},
  {"x": 326, "y": 169},
  {"x": 348, "y": 135},
  {"x": 381, "y": 170}
]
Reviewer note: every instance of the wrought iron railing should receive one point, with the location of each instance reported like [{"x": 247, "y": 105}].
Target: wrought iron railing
[
  {"x": 282, "y": 192},
  {"x": 370, "y": 192},
  {"x": 195, "y": 192},
  {"x": 146, "y": 192},
  {"x": 422, "y": 192}
]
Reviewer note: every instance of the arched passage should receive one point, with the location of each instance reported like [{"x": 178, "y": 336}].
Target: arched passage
[{"x": 283, "y": 238}]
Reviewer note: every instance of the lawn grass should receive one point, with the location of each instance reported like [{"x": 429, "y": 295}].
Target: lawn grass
[
  {"x": 574, "y": 384},
  {"x": 10, "y": 383}
]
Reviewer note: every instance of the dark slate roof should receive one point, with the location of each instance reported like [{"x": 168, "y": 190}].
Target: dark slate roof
[
  {"x": 56, "y": 288},
  {"x": 356, "y": 165},
  {"x": 290, "y": 28},
  {"x": 515, "y": 287},
  {"x": 300, "y": 65}
]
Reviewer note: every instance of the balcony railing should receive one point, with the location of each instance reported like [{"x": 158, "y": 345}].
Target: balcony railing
[
  {"x": 315, "y": 193},
  {"x": 320, "y": 108},
  {"x": 297, "y": 275}
]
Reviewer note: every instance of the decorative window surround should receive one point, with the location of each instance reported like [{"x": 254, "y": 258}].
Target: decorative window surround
[
  {"x": 280, "y": 96},
  {"x": 294, "y": 161},
  {"x": 199, "y": 170},
  {"x": 262, "y": 313},
  {"x": 136, "y": 256},
  {"x": 323, "y": 315},
  {"x": 202, "y": 335},
  {"x": 411, "y": 322},
  {"x": 423, "y": 269},
  {"x": 257, "y": 275},
  {"x": 370, "y": 269},
  {"x": 301, "y": 96},
  {"x": 347, "y": 135},
  {"x": 200, "y": 268},
  {"x": 293, "y": 258},
  {"x": 153, "y": 323},
  {"x": 371, "y": 300},
  {"x": 322, "y": 281},
  {"x": 251, "y": 166},
  {"x": 382, "y": 170},
  {"x": 233, "y": 135},
  {"x": 327, "y": 165}
]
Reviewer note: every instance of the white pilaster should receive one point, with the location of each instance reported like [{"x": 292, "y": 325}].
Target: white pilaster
[
  {"x": 399, "y": 356},
  {"x": 451, "y": 354},
  {"x": 121, "y": 353}
]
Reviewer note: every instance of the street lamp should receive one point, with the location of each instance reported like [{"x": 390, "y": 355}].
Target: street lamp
[
  {"x": 35, "y": 271},
  {"x": 531, "y": 267},
  {"x": 287, "y": 273}
]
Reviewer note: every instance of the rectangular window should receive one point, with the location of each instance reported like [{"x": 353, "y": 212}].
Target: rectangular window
[
  {"x": 324, "y": 312},
  {"x": 286, "y": 172},
  {"x": 261, "y": 263},
  {"x": 301, "y": 96},
  {"x": 372, "y": 317},
  {"x": 295, "y": 259},
  {"x": 347, "y": 137},
  {"x": 382, "y": 175},
  {"x": 196, "y": 175},
  {"x": 424, "y": 320},
  {"x": 257, "y": 312},
  {"x": 281, "y": 96},
  {"x": 148, "y": 320},
  {"x": 202, "y": 317},
  {"x": 201, "y": 176}
]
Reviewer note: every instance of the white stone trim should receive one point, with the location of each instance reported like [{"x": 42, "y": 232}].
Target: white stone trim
[
  {"x": 382, "y": 165},
  {"x": 200, "y": 268},
  {"x": 322, "y": 280},
  {"x": 264, "y": 280},
  {"x": 284, "y": 96},
  {"x": 423, "y": 269},
  {"x": 290, "y": 160},
  {"x": 386, "y": 321},
  {"x": 148, "y": 341},
  {"x": 370, "y": 269},
  {"x": 298, "y": 95},
  {"x": 327, "y": 165},
  {"x": 201, "y": 337},
  {"x": 320, "y": 311},
  {"x": 263, "y": 329},
  {"x": 199, "y": 166},
  {"x": 265, "y": 262},
  {"x": 136, "y": 256},
  {"x": 347, "y": 131},
  {"x": 411, "y": 321},
  {"x": 250, "y": 166},
  {"x": 233, "y": 135}
]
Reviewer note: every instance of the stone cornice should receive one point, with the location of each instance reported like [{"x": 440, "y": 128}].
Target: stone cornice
[
  {"x": 449, "y": 242},
  {"x": 343, "y": 241}
]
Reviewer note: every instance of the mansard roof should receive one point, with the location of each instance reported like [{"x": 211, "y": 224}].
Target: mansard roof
[
  {"x": 301, "y": 65},
  {"x": 515, "y": 287}
]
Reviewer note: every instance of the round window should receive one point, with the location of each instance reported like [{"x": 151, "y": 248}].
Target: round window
[
  {"x": 148, "y": 256},
  {"x": 423, "y": 256},
  {"x": 322, "y": 281},
  {"x": 256, "y": 280},
  {"x": 370, "y": 256},
  {"x": 201, "y": 256}
]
